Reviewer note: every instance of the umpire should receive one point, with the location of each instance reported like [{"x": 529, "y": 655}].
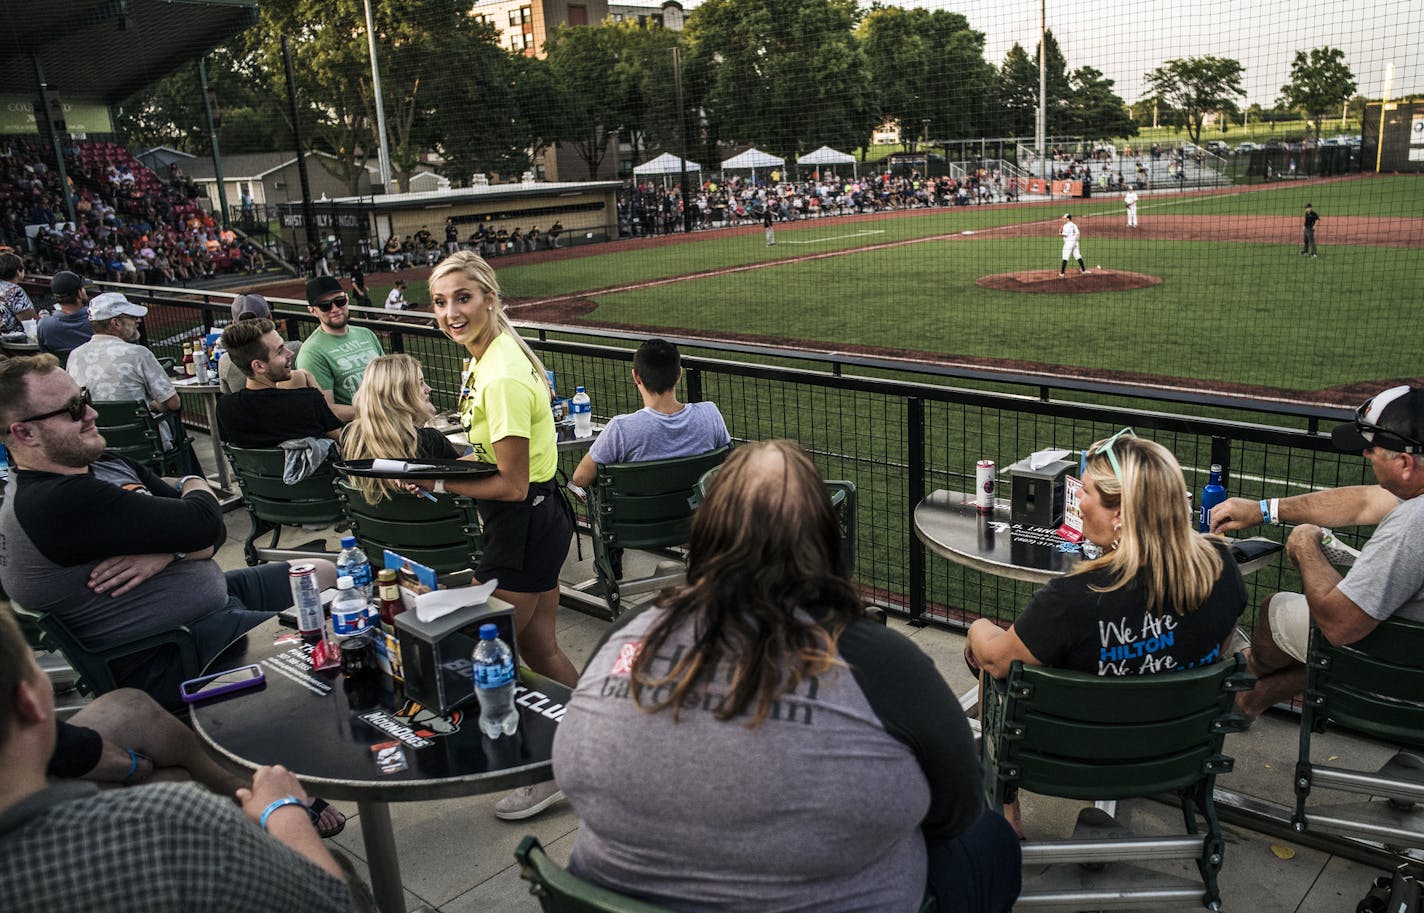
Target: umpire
[{"x": 1311, "y": 217}]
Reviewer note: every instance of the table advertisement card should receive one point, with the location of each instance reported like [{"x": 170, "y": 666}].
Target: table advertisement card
[{"x": 1072, "y": 528}]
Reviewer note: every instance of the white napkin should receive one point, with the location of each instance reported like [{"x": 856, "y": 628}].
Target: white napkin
[
  {"x": 1041, "y": 458},
  {"x": 433, "y": 605}
]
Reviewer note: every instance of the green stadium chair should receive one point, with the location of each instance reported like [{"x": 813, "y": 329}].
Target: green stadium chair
[
  {"x": 1076, "y": 736},
  {"x": 1374, "y": 687},
  {"x": 843, "y": 501},
  {"x": 95, "y": 666},
  {"x": 444, "y": 534},
  {"x": 272, "y": 504},
  {"x": 130, "y": 430}
]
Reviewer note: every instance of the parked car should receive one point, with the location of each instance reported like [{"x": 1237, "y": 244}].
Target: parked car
[
  {"x": 1247, "y": 148},
  {"x": 1220, "y": 147}
]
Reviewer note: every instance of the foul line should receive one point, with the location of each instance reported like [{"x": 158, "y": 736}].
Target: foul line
[{"x": 857, "y": 234}]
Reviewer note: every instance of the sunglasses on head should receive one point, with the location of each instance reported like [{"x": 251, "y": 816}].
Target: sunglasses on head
[
  {"x": 1105, "y": 447},
  {"x": 75, "y": 408},
  {"x": 1383, "y": 437},
  {"x": 338, "y": 302}
]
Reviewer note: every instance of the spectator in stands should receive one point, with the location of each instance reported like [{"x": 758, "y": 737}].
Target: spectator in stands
[
  {"x": 1156, "y": 574},
  {"x": 392, "y": 255},
  {"x": 61, "y": 333},
  {"x": 337, "y": 353},
  {"x": 269, "y": 409},
  {"x": 664, "y": 428},
  {"x": 1387, "y": 577},
  {"x": 695, "y": 718},
  {"x": 532, "y": 239},
  {"x": 395, "y": 301},
  {"x": 392, "y": 409},
  {"x": 554, "y": 231},
  {"x": 230, "y": 376},
  {"x": 66, "y": 844},
  {"x": 17, "y": 312},
  {"x": 116, "y": 368},
  {"x": 112, "y": 549}
]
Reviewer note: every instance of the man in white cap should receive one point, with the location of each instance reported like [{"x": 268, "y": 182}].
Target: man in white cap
[
  {"x": 114, "y": 366},
  {"x": 1070, "y": 245},
  {"x": 67, "y": 330},
  {"x": 1386, "y": 578}
]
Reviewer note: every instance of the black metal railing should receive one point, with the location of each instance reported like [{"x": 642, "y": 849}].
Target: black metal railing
[{"x": 898, "y": 430}]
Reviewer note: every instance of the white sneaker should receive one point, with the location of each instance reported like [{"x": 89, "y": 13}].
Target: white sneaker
[
  {"x": 528, "y": 801},
  {"x": 1337, "y": 552}
]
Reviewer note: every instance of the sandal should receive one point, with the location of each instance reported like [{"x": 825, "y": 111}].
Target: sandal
[{"x": 336, "y": 821}]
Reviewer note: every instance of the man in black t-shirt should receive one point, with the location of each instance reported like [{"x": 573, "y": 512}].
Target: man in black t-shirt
[{"x": 263, "y": 414}]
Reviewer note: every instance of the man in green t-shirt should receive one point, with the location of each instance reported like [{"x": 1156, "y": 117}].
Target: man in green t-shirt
[{"x": 337, "y": 353}]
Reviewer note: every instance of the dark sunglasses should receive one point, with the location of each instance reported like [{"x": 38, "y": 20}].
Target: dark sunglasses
[
  {"x": 338, "y": 302},
  {"x": 1383, "y": 437},
  {"x": 75, "y": 408}
]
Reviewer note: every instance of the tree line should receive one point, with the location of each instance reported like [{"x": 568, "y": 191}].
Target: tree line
[{"x": 784, "y": 75}]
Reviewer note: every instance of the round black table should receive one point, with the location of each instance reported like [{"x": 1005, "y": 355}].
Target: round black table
[{"x": 363, "y": 741}]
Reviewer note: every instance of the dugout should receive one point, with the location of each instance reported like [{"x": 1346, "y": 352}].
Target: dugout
[
  {"x": 1400, "y": 147},
  {"x": 588, "y": 212}
]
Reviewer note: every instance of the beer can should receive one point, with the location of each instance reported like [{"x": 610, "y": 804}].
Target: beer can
[
  {"x": 984, "y": 486},
  {"x": 306, "y": 597}
]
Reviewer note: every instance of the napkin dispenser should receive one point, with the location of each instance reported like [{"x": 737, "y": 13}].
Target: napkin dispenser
[
  {"x": 436, "y": 654},
  {"x": 1037, "y": 492}
]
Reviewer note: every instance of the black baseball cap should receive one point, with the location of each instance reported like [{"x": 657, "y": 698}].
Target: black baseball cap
[
  {"x": 322, "y": 285},
  {"x": 65, "y": 285},
  {"x": 1393, "y": 420}
]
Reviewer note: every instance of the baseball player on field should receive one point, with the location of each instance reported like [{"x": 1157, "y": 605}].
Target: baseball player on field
[
  {"x": 1130, "y": 201},
  {"x": 1070, "y": 246}
]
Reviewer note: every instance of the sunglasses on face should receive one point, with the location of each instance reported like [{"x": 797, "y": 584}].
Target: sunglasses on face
[
  {"x": 75, "y": 408},
  {"x": 1105, "y": 447},
  {"x": 338, "y": 302}
]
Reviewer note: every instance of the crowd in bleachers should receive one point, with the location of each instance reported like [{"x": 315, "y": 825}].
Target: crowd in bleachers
[
  {"x": 131, "y": 225},
  {"x": 647, "y": 207}
]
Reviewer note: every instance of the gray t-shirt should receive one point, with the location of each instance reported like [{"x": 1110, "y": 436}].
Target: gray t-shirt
[
  {"x": 1388, "y": 577},
  {"x": 825, "y": 807},
  {"x": 650, "y": 435}
]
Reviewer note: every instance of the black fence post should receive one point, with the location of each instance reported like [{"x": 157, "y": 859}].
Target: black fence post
[
  {"x": 915, "y": 432},
  {"x": 694, "y": 384},
  {"x": 397, "y": 341},
  {"x": 1221, "y": 454}
]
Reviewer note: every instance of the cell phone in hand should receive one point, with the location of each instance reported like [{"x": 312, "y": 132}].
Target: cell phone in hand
[{"x": 219, "y": 683}]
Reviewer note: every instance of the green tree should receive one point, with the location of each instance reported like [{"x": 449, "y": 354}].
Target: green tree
[
  {"x": 1320, "y": 83},
  {"x": 1196, "y": 86},
  {"x": 649, "y": 99},
  {"x": 1093, "y": 110},
  {"x": 785, "y": 75},
  {"x": 170, "y": 111},
  {"x": 587, "y": 58},
  {"x": 1018, "y": 93},
  {"x": 927, "y": 68}
]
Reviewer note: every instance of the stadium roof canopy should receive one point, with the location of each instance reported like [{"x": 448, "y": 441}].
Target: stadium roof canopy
[{"x": 106, "y": 50}]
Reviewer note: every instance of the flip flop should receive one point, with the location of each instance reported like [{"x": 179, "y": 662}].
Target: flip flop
[{"x": 317, "y": 810}]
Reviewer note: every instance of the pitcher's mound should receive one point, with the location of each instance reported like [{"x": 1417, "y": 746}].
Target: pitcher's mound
[{"x": 1074, "y": 283}]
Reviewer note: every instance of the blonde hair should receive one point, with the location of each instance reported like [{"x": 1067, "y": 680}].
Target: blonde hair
[
  {"x": 1156, "y": 546},
  {"x": 389, "y": 410},
  {"x": 473, "y": 267}
]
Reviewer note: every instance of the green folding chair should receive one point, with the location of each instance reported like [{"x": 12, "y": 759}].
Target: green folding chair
[
  {"x": 94, "y": 666},
  {"x": 272, "y": 504},
  {"x": 130, "y": 430},
  {"x": 444, "y": 534}
]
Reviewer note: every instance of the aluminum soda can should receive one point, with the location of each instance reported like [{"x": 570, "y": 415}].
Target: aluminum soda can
[
  {"x": 984, "y": 486},
  {"x": 311, "y": 623}
]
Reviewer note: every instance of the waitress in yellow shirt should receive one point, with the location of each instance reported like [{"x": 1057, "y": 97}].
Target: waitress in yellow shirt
[{"x": 504, "y": 406}]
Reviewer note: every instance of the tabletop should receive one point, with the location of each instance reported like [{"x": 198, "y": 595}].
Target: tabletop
[
  {"x": 352, "y": 739},
  {"x": 950, "y": 525},
  {"x": 449, "y": 425}
]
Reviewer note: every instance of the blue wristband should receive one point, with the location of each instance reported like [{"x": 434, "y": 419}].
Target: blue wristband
[
  {"x": 133, "y": 766},
  {"x": 1265, "y": 511},
  {"x": 285, "y": 800}
]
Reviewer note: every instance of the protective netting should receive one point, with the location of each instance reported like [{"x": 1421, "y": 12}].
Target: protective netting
[{"x": 890, "y": 153}]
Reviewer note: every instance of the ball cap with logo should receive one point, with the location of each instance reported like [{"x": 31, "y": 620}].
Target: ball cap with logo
[
  {"x": 112, "y": 304},
  {"x": 1393, "y": 420}
]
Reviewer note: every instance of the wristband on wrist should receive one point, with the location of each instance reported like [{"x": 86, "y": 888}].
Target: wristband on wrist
[
  {"x": 439, "y": 486},
  {"x": 133, "y": 766},
  {"x": 1274, "y": 510},
  {"x": 285, "y": 800},
  {"x": 184, "y": 481},
  {"x": 1265, "y": 511}
]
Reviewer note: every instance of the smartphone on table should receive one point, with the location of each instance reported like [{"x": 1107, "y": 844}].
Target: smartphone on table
[{"x": 209, "y": 686}]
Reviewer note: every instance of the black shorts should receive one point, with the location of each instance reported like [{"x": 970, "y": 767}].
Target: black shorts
[{"x": 526, "y": 541}]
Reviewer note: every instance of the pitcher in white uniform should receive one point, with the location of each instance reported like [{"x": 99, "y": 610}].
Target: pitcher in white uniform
[{"x": 1070, "y": 246}]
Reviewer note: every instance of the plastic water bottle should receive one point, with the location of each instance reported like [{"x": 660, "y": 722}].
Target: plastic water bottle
[
  {"x": 582, "y": 409},
  {"x": 352, "y": 562},
  {"x": 1212, "y": 494},
  {"x": 349, "y": 609},
  {"x": 494, "y": 684}
]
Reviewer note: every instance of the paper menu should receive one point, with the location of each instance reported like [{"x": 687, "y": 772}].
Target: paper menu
[{"x": 1072, "y": 527}]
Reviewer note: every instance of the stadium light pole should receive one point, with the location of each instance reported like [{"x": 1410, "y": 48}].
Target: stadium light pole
[
  {"x": 385, "y": 151},
  {"x": 1040, "y": 127},
  {"x": 308, "y": 210},
  {"x": 213, "y": 137},
  {"x": 682, "y": 134}
]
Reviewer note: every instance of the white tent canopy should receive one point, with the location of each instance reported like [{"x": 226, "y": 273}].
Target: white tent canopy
[
  {"x": 754, "y": 158},
  {"x": 667, "y": 163},
  {"x": 825, "y": 156}
]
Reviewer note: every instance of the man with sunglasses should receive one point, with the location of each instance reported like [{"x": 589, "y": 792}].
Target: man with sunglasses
[
  {"x": 111, "y": 548},
  {"x": 337, "y": 354},
  {"x": 1387, "y": 578}
]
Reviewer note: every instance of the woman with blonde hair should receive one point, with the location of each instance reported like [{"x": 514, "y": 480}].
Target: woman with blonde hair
[
  {"x": 759, "y": 700},
  {"x": 1162, "y": 597},
  {"x": 504, "y": 407},
  {"x": 392, "y": 408}
]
